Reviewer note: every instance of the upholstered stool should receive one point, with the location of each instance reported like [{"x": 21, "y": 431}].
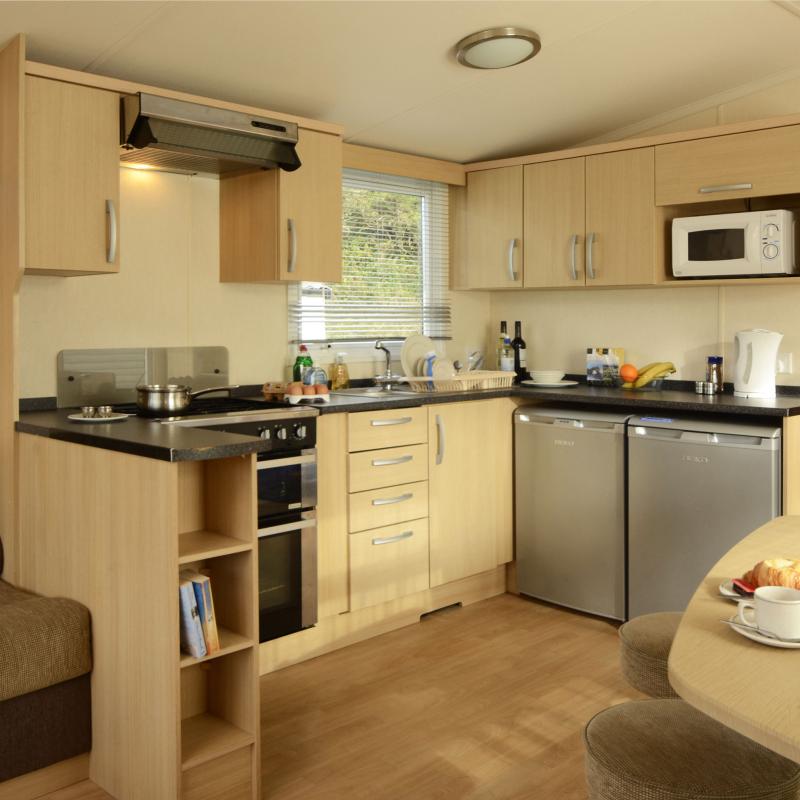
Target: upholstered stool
[
  {"x": 646, "y": 642},
  {"x": 667, "y": 750}
]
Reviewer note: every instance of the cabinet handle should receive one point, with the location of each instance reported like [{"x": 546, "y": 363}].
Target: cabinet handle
[
  {"x": 589, "y": 253},
  {"x": 111, "y": 213},
  {"x": 292, "y": 245},
  {"x": 725, "y": 187},
  {"x": 390, "y": 539},
  {"x": 389, "y": 462},
  {"x": 388, "y": 501},
  {"x": 380, "y": 422},
  {"x": 573, "y": 246},
  {"x": 440, "y": 438},
  {"x": 512, "y": 244}
]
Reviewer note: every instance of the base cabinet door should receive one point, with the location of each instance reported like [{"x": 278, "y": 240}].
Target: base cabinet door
[{"x": 470, "y": 479}]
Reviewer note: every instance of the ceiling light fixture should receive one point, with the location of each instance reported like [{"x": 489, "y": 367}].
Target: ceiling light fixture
[{"x": 497, "y": 48}]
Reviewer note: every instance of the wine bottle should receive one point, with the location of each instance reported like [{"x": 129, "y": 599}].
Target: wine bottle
[
  {"x": 520, "y": 353},
  {"x": 506, "y": 356},
  {"x": 501, "y": 343}
]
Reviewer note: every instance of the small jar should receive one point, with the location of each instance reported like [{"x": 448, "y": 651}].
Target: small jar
[{"x": 714, "y": 373}]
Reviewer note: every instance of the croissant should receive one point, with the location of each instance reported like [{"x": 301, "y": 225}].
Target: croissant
[{"x": 775, "y": 572}]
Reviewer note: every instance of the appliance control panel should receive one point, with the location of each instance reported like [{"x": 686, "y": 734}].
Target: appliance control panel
[{"x": 282, "y": 434}]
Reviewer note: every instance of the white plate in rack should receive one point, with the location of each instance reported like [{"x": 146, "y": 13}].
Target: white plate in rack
[{"x": 415, "y": 348}]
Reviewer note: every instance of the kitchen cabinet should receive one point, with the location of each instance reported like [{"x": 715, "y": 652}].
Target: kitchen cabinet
[
  {"x": 401, "y": 427},
  {"x": 471, "y": 496},
  {"x": 591, "y": 221},
  {"x": 753, "y": 164},
  {"x": 555, "y": 223},
  {"x": 493, "y": 221},
  {"x": 285, "y": 226},
  {"x": 71, "y": 178}
]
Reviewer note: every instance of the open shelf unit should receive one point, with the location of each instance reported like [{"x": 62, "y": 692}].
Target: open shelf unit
[{"x": 217, "y": 536}]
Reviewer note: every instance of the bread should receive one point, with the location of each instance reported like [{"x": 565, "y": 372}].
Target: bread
[{"x": 774, "y": 572}]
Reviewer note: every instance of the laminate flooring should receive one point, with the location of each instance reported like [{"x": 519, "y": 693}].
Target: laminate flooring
[{"x": 485, "y": 702}]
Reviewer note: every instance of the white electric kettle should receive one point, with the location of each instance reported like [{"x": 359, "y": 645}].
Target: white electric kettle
[{"x": 755, "y": 358}]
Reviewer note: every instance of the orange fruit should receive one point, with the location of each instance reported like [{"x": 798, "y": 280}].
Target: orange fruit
[{"x": 628, "y": 373}]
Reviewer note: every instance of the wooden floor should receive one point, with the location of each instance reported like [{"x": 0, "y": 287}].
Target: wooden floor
[{"x": 481, "y": 703}]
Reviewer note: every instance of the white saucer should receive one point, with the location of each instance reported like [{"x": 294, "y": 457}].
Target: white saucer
[
  {"x": 728, "y": 591},
  {"x": 752, "y": 633},
  {"x": 556, "y": 385},
  {"x": 81, "y": 418}
]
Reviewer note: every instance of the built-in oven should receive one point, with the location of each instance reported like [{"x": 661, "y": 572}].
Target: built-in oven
[{"x": 287, "y": 542}]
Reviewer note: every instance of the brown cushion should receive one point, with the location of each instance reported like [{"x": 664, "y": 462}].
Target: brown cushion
[
  {"x": 665, "y": 750},
  {"x": 645, "y": 645},
  {"x": 43, "y": 641}
]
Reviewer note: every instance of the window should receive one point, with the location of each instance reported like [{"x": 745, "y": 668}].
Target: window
[{"x": 394, "y": 266}]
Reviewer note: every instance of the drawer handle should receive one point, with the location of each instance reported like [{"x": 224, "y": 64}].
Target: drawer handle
[
  {"x": 377, "y": 423},
  {"x": 390, "y": 462},
  {"x": 390, "y": 539},
  {"x": 387, "y": 501},
  {"x": 725, "y": 187}
]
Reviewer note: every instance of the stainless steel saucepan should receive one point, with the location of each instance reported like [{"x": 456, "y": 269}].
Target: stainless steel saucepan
[{"x": 164, "y": 400}]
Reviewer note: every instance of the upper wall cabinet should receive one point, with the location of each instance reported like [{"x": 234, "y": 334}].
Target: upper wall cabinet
[
  {"x": 493, "y": 222},
  {"x": 285, "y": 226},
  {"x": 754, "y": 164},
  {"x": 71, "y": 179}
]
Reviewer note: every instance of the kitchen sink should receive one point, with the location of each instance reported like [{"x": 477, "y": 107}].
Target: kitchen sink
[{"x": 373, "y": 391}]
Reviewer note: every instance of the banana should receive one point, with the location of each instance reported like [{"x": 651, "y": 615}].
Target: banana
[
  {"x": 652, "y": 371},
  {"x": 627, "y": 385}
]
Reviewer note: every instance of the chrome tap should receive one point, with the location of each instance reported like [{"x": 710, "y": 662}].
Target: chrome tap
[{"x": 387, "y": 375}]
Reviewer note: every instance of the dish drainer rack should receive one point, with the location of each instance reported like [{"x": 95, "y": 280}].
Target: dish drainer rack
[{"x": 463, "y": 382}]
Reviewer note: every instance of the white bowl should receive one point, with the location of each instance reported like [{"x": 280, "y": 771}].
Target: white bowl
[{"x": 547, "y": 375}]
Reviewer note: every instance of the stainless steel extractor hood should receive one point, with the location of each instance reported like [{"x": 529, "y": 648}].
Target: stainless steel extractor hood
[{"x": 189, "y": 137}]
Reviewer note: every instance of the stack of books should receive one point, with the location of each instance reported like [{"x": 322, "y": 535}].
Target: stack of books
[{"x": 199, "y": 636}]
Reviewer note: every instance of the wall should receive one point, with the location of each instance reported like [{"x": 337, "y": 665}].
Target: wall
[
  {"x": 681, "y": 325},
  {"x": 167, "y": 293}
]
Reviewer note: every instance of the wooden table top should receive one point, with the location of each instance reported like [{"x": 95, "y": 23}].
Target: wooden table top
[{"x": 747, "y": 686}]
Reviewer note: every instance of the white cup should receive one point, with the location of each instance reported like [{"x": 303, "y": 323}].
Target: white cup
[{"x": 776, "y": 610}]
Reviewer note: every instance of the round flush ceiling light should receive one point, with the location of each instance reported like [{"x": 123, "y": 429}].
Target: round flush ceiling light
[{"x": 496, "y": 48}]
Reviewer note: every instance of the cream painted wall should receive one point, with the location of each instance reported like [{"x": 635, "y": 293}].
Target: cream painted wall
[
  {"x": 680, "y": 325},
  {"x": 167, "y": 293}
]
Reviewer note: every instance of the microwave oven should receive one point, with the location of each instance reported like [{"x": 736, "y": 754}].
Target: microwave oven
[{"x": 749, "y": 243}]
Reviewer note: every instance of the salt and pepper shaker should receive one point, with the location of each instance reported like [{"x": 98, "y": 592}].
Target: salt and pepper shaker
[{"x": 714, "y": 373}]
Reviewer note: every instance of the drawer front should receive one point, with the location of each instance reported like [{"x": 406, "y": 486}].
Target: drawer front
[
  {"x": 373, "y": 430},
  {"x": 374, "y": 469},
  {"x": 229, "y": 776},
  {"x": 755, "y": 164},
  {"x": 388, "y": 563},
  {"x": 379, "y": 507}
]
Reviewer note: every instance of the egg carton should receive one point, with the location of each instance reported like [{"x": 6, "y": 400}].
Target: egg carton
[{"x": 294, "y": 399}]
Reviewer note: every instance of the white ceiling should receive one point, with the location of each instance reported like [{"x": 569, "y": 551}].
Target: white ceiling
[{"x": 386, "y": 70}]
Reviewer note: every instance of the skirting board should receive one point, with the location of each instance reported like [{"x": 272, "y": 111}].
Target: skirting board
[
  {"x": 345, "y": 629},
  {"x": 46, "y": 780}
]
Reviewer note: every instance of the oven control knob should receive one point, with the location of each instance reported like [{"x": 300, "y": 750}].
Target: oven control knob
[
  {"x": 281, "y": 433},
  {"x": 771, "y": 230},
  {"x": 265, "y": 433},
  {"x": 300, "y": 431},
  {"x": 770, "y": 251}
]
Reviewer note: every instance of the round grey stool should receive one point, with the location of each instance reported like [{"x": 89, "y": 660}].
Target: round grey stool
[
  {"x": 645, "y": 645},
  {"x": 667, "y": 750}
]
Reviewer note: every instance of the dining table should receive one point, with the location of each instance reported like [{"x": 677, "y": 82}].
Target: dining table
[{"x": 750, "y": 687}]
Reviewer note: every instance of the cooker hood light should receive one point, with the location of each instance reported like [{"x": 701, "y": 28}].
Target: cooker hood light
[{"x": 498, "y": 48}]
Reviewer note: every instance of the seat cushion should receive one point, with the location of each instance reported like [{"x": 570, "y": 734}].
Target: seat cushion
[
  {"x": 667, "y": 750},
  {"x": 43, "y": 641},
  {"x": 645, "y": 645}
]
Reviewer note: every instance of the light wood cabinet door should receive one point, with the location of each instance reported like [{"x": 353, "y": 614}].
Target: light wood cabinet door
[
  {"x": 620, "y": 246},
  {"x": 494, "y": 257},
  {"x": 470, "y": 481},
  {"x": 754, "y": 164},
  {"x": 71, "y": 179},
  {"x": 555, "y": 219},
  {"x": 285, "y": 226}
]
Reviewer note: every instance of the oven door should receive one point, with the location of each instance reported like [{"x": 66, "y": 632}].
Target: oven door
[
  {"x": 286, "y": 484},
  {"x": 287, "y": 576},
  {"x": 716, "y": 245}
]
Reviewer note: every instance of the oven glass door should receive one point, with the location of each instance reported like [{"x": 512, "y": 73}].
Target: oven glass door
[
  {"x": 286, "y": 484},
  {"x": 287, "y": 576},
  {"x": 716, "y": 246}
]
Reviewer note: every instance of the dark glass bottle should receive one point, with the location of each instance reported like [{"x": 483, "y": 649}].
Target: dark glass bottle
[{"x": 520, "y": 353}]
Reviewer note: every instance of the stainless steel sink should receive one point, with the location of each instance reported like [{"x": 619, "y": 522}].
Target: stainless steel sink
[{"x": 373, "y": 391}]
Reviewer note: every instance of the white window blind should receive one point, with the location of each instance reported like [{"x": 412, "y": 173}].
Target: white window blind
[{"x": 394, "y": 266}]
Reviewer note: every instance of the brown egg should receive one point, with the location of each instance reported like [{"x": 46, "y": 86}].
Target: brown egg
[
  {"x": 321, "y": 388},
  {"x": 308, "y": 390},
  {"x": 294, "y": 389}
]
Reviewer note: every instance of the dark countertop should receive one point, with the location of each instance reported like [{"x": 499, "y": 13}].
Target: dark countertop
[{"x": 151, "y": 439}]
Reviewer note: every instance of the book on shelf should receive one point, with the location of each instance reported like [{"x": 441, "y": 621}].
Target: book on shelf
[
  {"x": 192, "y": 640},
  {"x": 201, "y": 585}
]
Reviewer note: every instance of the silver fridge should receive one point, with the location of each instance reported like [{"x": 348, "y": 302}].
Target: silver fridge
[
  {"x": 695, "y": 488},
  {"x": 570, "y": 508}
]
